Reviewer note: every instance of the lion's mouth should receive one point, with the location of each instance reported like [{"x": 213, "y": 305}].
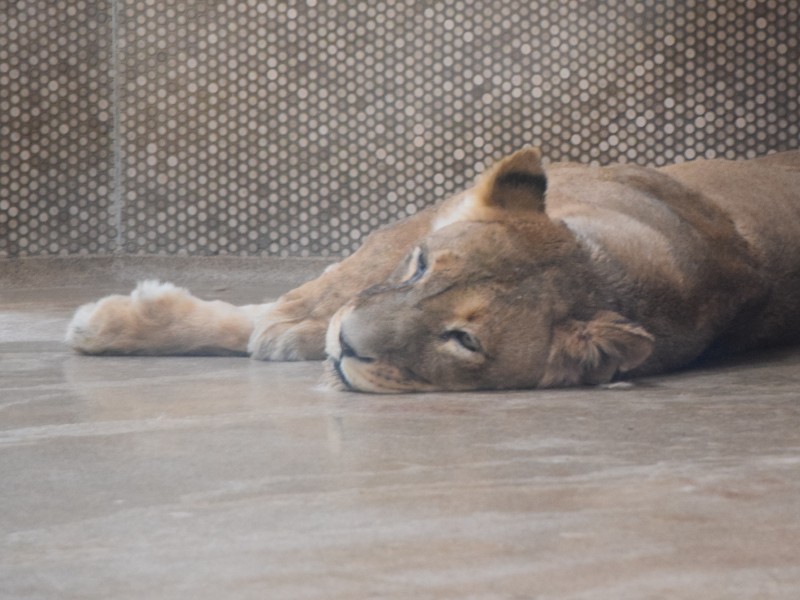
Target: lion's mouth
[{"x": 335, "y": 375}]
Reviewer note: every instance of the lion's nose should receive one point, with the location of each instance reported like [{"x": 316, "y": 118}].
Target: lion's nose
[{"x": 348, "y": 351}]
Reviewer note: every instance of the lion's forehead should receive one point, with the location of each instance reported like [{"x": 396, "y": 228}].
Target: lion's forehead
[{"x": 472, "y": 306}]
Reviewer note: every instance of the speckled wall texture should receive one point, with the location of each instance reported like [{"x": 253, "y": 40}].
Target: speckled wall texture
[{"x": 263, "y": 127}]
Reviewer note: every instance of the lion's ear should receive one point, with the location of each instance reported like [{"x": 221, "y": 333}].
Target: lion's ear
[
  {"x": 592, "y": 352},
  {"x": 516, "y": 182}
]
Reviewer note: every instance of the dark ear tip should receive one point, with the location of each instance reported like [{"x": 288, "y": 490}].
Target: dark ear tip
[{"x": 521, "y": 179}]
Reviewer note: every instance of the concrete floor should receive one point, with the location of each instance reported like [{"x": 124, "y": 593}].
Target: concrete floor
[{"x": 227, "y": 478}]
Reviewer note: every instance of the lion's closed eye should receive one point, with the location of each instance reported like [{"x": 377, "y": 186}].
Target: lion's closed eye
[
  {"x": 417, "y": 266},
  {"x": 464, "y": 339},
  {"x": 464, "y": 346}
]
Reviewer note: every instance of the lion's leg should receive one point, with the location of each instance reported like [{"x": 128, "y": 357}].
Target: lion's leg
[
  {"x": 294, "y": 327},
  {"x": 159, "y": 318}
]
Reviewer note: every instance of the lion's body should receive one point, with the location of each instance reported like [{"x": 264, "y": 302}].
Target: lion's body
[
  {"x": 621, "y": 269},
  {"x": 705, "y": 255}
]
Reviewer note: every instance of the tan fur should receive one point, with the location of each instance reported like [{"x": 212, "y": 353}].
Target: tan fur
[
  {"x": 610, "y": 271},
  {"x": 161, "y": 319}
]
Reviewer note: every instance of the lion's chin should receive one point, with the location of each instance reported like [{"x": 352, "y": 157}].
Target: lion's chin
[{"x": 354, "y": 375}]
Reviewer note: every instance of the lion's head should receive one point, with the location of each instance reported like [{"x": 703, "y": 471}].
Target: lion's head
[{"x": 498, "y": 297}]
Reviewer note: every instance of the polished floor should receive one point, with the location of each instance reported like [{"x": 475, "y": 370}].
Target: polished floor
[{"x": 225, "y": 478}]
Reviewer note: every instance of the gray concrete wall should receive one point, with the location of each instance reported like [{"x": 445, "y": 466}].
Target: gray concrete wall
[{"x": 271, "y": 128}]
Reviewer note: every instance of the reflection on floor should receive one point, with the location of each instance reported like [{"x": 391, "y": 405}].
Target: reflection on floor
[{"x": 228, "y": 478}]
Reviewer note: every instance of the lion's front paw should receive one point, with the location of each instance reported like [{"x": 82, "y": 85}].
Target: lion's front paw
[
  {"x": 276, "y": 339},
  {"x": 121, "y": 324},
  {"x": 158, "y": 318}
]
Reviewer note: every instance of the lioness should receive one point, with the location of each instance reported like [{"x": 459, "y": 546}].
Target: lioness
[{"x": 525, "y": 280}]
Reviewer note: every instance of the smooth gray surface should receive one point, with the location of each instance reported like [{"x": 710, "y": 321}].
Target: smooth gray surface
[{"x": 228, "y": 478}]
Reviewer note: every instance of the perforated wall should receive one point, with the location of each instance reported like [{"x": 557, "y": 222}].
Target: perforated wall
[{"x": 294, "y": 128}]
